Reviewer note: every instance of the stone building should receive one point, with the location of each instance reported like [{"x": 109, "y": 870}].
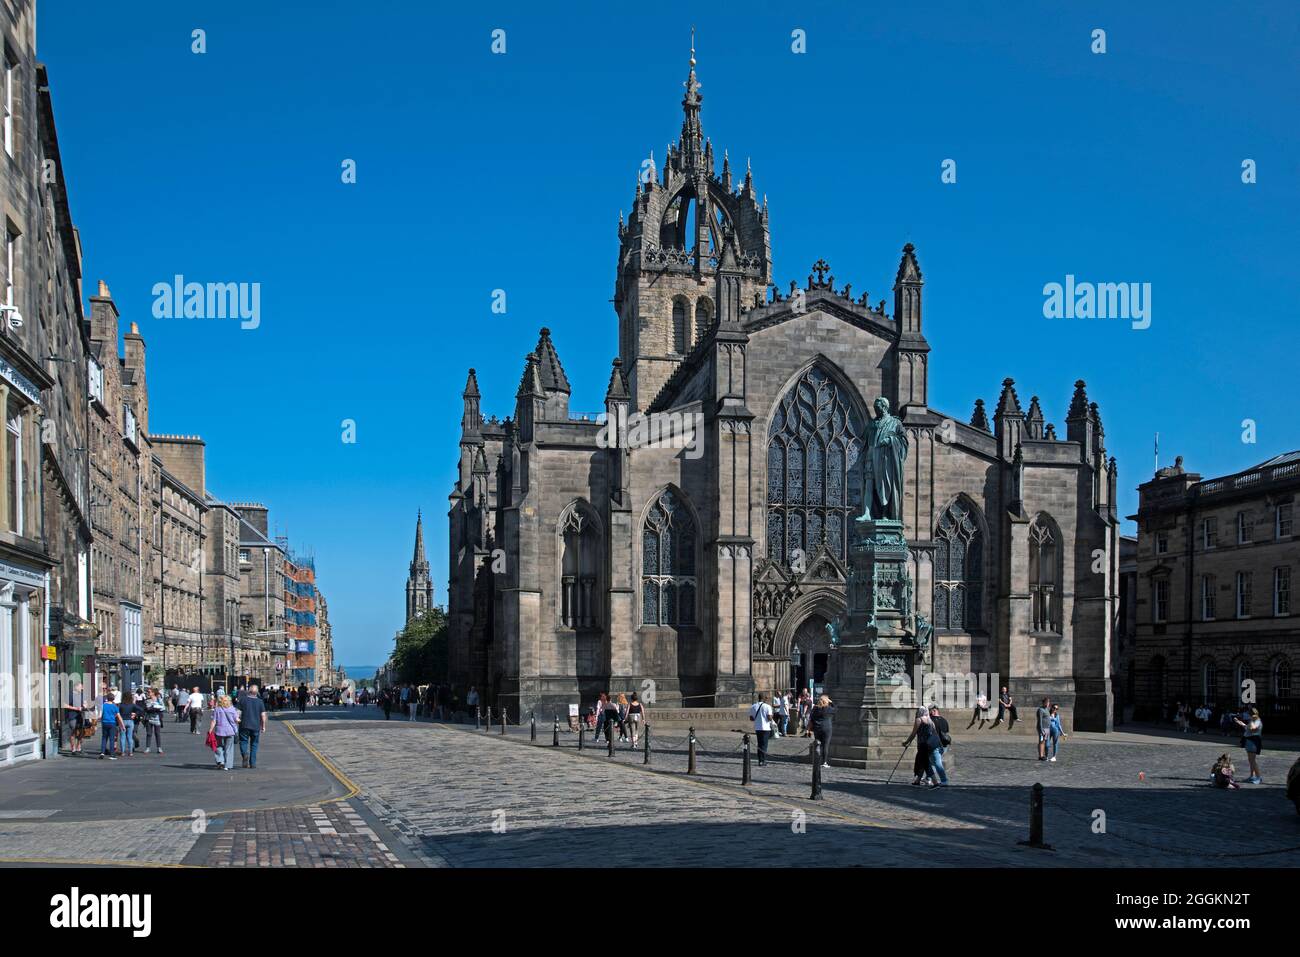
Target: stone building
[
  {"x": 1217, "y": 622},
  {"x": 696, "y": 537},
  {"x": 261, "y": 589},
  {"x": 324, "y": 643},
  {"x": 419, "y": 586},
  {"x": 179, "y": 513},
  {"x": 120, "y": 507},
  {"x": 300, "y": 624}
]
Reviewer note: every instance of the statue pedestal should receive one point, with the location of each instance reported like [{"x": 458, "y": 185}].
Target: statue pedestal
[{"x": 876, "y": 648}]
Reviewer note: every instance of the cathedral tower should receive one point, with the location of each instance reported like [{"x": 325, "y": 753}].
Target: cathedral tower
[
  {"x": 419, "y": 587},
  {"x": 669, "y": 249}
]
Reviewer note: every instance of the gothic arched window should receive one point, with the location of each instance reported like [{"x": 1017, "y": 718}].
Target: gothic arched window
[
  {"x": 958, "y": 570},
  {"x": 1045, "y": 576},
  {"x": 579, "y": 570},
  {"x": 813, "y": 485},
  {"x": 681, "y": 324},
  {"x": 703, "y": 318},
  {"x": 668, "y": 563}
]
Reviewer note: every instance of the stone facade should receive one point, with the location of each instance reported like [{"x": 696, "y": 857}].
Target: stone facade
[
  {"x": 179, "y": 514},
  {"x": 261, "y": 589},
  {"x": 1217, "y": 561},
  {"x": 692, "y": 544}
]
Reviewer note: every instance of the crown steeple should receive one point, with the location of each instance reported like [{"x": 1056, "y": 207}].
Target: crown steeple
[{"x": 691, "y": 143}]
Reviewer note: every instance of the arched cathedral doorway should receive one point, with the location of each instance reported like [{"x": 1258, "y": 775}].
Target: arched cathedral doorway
[{"x": 810, "y": 652}]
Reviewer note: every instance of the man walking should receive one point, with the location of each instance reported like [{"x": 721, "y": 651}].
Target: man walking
[
  {"x": 761, "y": 714},
  {"x": 252, "y": 724},
  {"x": 194, "y": 708},
  {"x": 1043, "y": 722},
  {"x": 302, "y": 698}
]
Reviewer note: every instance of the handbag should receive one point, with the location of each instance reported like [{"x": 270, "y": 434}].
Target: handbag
[{"x": 211, "y": 741}]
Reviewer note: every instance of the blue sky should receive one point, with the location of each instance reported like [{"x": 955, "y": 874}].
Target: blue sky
[{"x": 478, "y": 171}]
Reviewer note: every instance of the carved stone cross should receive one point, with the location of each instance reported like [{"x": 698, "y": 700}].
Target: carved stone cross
[{"x": 821, "y": 267}]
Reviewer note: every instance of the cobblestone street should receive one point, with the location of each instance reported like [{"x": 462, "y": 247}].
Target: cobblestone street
[{"x": 342, "y": 788}]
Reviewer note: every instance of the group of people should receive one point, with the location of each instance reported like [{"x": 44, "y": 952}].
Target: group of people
[
  {"x": 622, "y": 713},
  {"x": 812, "y": 719}
]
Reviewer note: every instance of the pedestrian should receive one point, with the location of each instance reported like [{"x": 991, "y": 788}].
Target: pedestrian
[
  {"x": 937, "y": 770},
  {"x": 611, "y": 716},
  {"x": 820, "y": 719},
  {"x": 805, "y": 713},
  {"x": 1055, "y": 731},
  {"x": 634, "y": 713},
  {"x": 779, "y": 713},
  {"x": 927, "y": 740},
  {"x": 1006, "y": 707},
  {"x": 1223, "y": 775},
  {"x": 73, "y": 717},
  {"x": 1252, "y": 739},
  {"x": 252, "y": 724},
  {"x": 225, "y": 725},
  {"x": 598, "y": 716},
  {"x": 131, "y": 711},
  {"x": 1043, "y": 724},
  {"x": 302, "y": 698},
  {"x": 111, "y": 718},
  {"x": 981, "y": 713},
  {"x": 154, "y": 709},
  {"x": 194, "y": 708},
  {"x": 471, "y": 701},
  {"x": 760, "y": 712},
  {"x": 175, "y": 697},
  {"x": 622, "y": 717}
]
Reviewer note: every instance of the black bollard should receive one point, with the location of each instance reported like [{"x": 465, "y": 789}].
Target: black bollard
[
  {"x": 532, "y": 728},
  {"x": 744, "y": 764},
  {"x": 555, "y": 734},
  {"x": 647, "y": 745},
  {"x": 478, "y": 718},
  {"x": 610, "y": 739},
  {"x": 690, "y": 752},
  {"x": 1036, "y": 820},
  {"x": 503, "y": 719},
  {"x": 817, "y": 770},
  {"x": 487, "y": 725},
  {"x": 582, "y": 735}
]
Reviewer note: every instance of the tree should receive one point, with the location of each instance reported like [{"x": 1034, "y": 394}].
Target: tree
[{"x": 420, "y": 656}]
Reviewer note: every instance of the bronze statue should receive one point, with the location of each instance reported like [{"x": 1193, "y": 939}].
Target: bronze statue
[{"x": 882, "y": 479}]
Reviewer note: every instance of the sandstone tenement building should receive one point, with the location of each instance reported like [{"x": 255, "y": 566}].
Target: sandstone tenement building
[
  {"x": 586, "y": 556},
  {"x": 1216, "y": 566}
]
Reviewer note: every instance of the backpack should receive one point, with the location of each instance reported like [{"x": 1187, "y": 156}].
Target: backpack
[{"x": 945, "y": 739}]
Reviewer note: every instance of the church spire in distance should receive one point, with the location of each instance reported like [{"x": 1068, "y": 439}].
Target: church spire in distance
[{"x": 419, "y": 586}]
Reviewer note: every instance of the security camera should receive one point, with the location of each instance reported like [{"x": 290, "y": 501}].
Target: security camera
[{"x": 12, "y": 316}]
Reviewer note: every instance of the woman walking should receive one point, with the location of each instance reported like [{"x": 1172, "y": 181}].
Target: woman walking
[
  {"x": 112, "y": 724},
  {"x": 927, "y": 739},
  {"x": 634, "y": 712},
  {"x": 820, "y": 722},
  {"x": 1054, "y": 731},
  {"x": 129, "y": 715},
  {"x": 225, "y": 725},
  {"x": 622, "y": 717},
  {"x": 805, "y": 713},
  {"x": 1252, "y": 739},
  {"x": 611, "y": 716},
  {"x": 73, "y": 717},
  {"x": 153, "y": 720}
]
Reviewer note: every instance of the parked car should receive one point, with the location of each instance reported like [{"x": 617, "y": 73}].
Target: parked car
[{"x": 1293, "y": 784}]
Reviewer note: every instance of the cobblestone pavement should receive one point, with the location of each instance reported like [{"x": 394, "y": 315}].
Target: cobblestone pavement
[
  {"x": 322, "y": 835},
  {"x": 1119, "y": 801}
]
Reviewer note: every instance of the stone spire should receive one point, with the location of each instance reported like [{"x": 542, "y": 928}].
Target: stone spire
[
  {"x": 549, "y": 367},
  {"x": 471, "y": 420},
  {"x": 1008, "y": 420},
  {"x": 979, "y": 418},
  {"x": 691, "y": 143},
  {"x": 617, "y": 383},
  {"x": 907, "y": 293},
  {"x": 1034, "y": 420},
  {"x": 419, "y": 586}
]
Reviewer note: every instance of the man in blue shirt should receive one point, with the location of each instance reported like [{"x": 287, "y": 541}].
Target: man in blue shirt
[
  {"x": 111, "y": 717},
  {"x": 252, "y": 723}
]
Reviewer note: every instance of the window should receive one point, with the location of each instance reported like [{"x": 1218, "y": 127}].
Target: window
[
  {"x": 11, "y": 263},
  {"x": 1282, "y": 525},
  {"x": 958, "y": 570},
  {"x": 668, "y": 563},
  {"x": 1160, "y": 600},
  {"x": 1282, "y": 678},
  {"x": 243, "y": 556},
  {"x": 703, "y": 318},
  {"x": 1209, "y": 532},
  {"x": 1245, "y": 528},
  {"x": 681, "y": 338},
  {"x": 1243, "y": 594},
  {"x": 96, "y": 374},
  {"x": 1282, "y": 590},
  {"x": 813, "y": 484},
  {"x": 1207, "y": 598},
  {"x": 10, "y": 98},
  {"x": 1043, "y": 574},
  {"x": 14, "y": 461},
  {"x": 579, "y": 592},
  {"x": 1162, "y": 543},
  {"x": 1210, "y": 682}
]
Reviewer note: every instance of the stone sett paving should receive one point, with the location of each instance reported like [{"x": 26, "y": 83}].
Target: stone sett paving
[
  {"x": 445, "y": 786},
  {"x": 138, "y": 841},
  {"x": 324, "y": 835}
]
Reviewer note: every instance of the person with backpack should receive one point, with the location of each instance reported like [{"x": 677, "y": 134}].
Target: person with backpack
[
  {"x": 940, "y": 723},
  {"x": 760, "y": 712}
]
